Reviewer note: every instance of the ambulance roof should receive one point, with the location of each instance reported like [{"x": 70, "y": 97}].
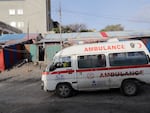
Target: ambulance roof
[{"x": 103, "y": 47}]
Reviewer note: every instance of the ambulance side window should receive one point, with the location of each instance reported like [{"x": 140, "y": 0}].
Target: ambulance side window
[
  {"x": 91, "y": 61},
  {"x": 64, "y": 62},
  {"x": 128, "y": 58}
]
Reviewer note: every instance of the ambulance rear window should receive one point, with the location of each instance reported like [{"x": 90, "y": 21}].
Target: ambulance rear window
[{"x": 128, "y": 58}]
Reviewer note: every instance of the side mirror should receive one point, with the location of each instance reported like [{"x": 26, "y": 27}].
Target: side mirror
[{"x": 52, "y": 67}]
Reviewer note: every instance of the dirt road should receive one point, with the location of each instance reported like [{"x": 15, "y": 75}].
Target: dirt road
[{"x": 20, "y": 92}]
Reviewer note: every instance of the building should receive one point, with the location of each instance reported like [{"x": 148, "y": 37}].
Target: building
[
  {"x": 7, "y": 29},
  {"x": 31, "y": 16}
]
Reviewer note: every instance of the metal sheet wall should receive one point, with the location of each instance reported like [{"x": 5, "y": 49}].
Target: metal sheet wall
[
  {"x": 50, "y": 51},
  {"x": 33, "y": 52},
  {"x": 7, "y": 56},
  {"x": 2, "y": 62},
  {"x": 12, "y": 55}
]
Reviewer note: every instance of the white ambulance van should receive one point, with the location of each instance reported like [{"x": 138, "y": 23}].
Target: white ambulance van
[{"x": 87, "y": 67}]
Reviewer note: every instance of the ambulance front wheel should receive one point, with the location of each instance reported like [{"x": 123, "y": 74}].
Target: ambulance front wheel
[
  {"x": 64, "y": 90},
  {"x": 129, "y": 88}
]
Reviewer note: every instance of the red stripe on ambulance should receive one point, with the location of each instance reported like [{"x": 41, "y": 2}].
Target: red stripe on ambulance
[{"x": 95, "y": 69}]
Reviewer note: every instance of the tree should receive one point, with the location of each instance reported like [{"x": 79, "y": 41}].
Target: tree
[
  {"x": 72, "y": 28},
  {"x": 77, "y": 27},
  {"x": 116, "y": 27}
]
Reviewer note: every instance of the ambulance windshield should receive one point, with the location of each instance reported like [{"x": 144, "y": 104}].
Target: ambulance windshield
[{"x": 59, "y": 62}]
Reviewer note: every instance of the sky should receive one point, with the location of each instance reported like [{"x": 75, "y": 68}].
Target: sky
[{"x": 97, "y": 14}]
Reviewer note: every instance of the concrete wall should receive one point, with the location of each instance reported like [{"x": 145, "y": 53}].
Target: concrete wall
[{"x": 35, "y": 17}]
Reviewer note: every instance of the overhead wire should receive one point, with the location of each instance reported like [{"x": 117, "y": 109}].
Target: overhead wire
[{"x": 104, "y": 16}]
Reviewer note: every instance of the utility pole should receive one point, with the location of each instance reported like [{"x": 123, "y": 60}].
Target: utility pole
[
  {"x": 28, "y": 30},
  {"x": 60, "y": 22},
  {"x": 27, "y": 53}
]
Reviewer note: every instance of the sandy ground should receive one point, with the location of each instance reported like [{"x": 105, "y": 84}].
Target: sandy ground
[{"x": 28, "y": 70}]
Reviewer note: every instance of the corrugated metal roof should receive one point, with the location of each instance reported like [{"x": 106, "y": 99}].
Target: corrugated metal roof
[
  {"x": 72, "y": 35},
  {"x": 128, "y": 33},
  {"x": 8, "y": 37},
  {"x": 98, "y": 35}
]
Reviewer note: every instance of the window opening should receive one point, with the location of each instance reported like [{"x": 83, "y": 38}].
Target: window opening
[
  {"x": 128, "y": 58},
  {"x": 92, "y": 61}
]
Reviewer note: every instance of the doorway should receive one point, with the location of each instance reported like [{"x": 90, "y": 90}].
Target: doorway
[{"x": 41, "y": 53}]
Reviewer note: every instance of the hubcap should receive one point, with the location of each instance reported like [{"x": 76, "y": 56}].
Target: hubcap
[
  {"x": 130, "y": 89},
  {"x": 64, "y": 90}
]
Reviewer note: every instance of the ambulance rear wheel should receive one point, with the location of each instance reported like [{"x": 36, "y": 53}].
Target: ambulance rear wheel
[
  {"x": 129, "y": 88},
  {"x": 64, "y": 90}
]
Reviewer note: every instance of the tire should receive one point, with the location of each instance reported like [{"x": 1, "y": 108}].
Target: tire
[
  {"x": 64, "y": 90},
  {"x": 129, "y": 88}
]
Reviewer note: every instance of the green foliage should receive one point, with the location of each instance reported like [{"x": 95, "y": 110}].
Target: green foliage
[
  {"x": 82, "y": 28},
  {"x": 116, "y": 27},
  {"x": 72, "y": 28}
]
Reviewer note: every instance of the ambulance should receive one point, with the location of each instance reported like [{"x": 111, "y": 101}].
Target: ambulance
[{"x": 98, "y": 66}]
